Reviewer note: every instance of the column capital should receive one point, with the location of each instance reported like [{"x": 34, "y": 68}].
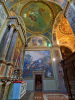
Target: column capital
[
  {"x": 16, "y": 31},
  {"x": 12, "y": 25}
]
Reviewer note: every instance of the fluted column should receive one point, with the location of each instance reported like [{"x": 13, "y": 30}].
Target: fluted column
[{"x": 5, "y": 43}]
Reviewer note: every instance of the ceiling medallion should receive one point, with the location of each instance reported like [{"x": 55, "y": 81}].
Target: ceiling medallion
[
  {"x": 38, "y": 17},
  {"x": 64, "y": 27}
]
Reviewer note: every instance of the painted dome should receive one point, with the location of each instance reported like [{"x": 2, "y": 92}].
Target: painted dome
[{"x": 38, "y": 16}]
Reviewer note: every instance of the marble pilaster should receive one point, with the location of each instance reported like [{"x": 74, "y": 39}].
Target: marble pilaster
[
  {"x": 57, "y": 57},
  {"x": 11, "y": 47},
  {"x": 6, "y": 91},
  {"x": 6, "y": 42}
]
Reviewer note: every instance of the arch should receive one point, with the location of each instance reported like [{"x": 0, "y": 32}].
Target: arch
[
  {"x": 66, "y": 47},
  {"x": 44, "y": 40},
  {"x": 65, "y": 51}
]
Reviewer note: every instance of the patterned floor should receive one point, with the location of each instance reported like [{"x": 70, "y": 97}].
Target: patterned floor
[{"x": 44, "y": 96}]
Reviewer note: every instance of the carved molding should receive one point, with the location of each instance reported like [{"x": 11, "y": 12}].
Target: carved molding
[{"x": 14, "y": 21}]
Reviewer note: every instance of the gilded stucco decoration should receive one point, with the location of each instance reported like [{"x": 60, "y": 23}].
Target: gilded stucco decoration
[
  {"x": 64, "y": 27},
  {"x": 63, "y": 32}
]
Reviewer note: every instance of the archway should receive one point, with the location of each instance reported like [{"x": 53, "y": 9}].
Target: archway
[{"x": 65, "y": 52}]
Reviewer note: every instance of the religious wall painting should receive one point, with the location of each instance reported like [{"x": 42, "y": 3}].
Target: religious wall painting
[
  {"x": 29, "y": 34},
  {"x": 47, "y": 42},
  {"x": 16, "y": 8},
  {"x": 17, "y": 53},
  {"x": 12, "y": 13},
  {"x": 10, "y": 3},
  {"x": 48, "y": 34},
  {"x": 38, "y": 16},
  {"x": 61, "y": 2},
  {"x": 37, "y": 41},
  {"x": 37, "y": 61}
]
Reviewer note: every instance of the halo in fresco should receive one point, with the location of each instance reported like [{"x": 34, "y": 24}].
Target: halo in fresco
[{"x": 38, "y": 16}]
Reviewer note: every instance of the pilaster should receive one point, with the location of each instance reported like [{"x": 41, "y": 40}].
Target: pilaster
[
  {"x": 6, "y": 90},
  {"x": 57, "y": 57}
]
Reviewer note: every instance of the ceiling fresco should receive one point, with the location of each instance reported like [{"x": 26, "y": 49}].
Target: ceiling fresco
[
  {"x": 61, "y": 2},
  {"x": 10, "y": 3},
  {"x": 38, "y": 17}
]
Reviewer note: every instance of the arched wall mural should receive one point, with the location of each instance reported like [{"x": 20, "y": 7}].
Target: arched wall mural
[{"x": 39, "y": 40}]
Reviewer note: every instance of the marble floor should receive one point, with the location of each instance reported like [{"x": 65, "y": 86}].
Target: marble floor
[{"x": 44, "y": 96}]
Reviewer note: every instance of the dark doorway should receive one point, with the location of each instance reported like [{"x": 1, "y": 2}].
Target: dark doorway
[{"x": 38, "y": 82}]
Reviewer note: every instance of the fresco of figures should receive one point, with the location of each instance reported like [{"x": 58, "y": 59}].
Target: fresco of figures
[{"x": 37, "y": 61}]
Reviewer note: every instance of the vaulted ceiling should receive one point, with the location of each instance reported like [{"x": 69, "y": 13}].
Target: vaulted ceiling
[{"x": 37, "y": 15}]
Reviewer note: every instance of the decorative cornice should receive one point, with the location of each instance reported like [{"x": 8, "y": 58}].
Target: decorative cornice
[
  {"x": 10, "y": 64},
  {"x": 14, "y": 20}
]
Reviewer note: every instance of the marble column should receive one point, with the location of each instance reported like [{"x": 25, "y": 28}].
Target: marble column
[
  {"x": 12, "y": 46},
  {"x": 6, "y": 42},
  {"x": 3, "y": 39}
]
